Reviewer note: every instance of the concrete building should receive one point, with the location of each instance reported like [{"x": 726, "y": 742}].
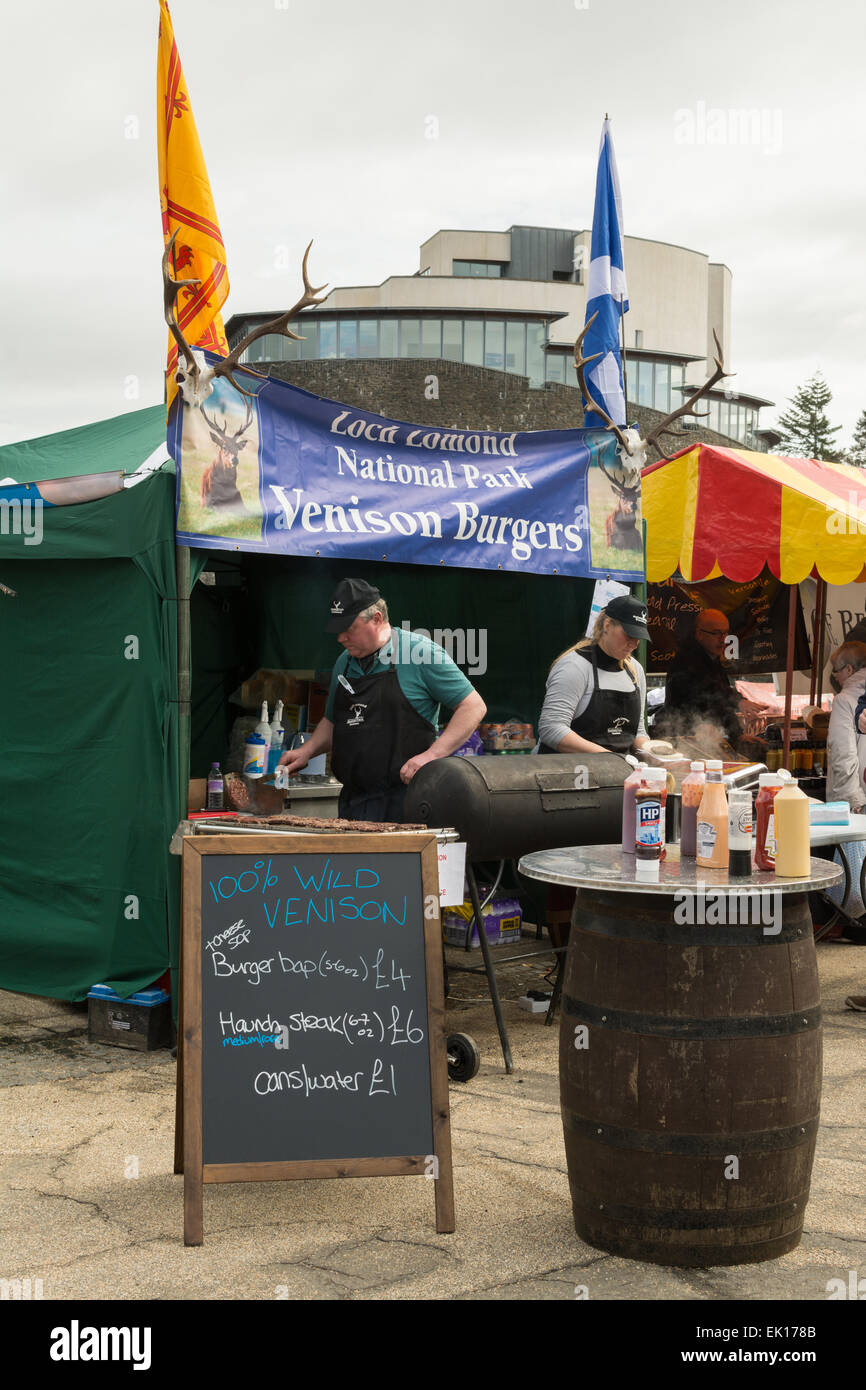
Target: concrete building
[{"x": 514, "y": 302}]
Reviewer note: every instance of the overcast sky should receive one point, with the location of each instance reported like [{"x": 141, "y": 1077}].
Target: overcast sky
[{"x": 313, "y": 119}]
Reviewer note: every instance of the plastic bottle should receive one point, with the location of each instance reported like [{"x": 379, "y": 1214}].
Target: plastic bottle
[
  {"x": 649, "y": 805},
  {"x": 692, "y": 791},
  {"x": 277, "y": 738},
  {"x": 215, "y": 788},
  {"x": 628, "y": 789},
  {"x": 739, "y": 832},
  {"x": 712, "y": 827},
  {"x": 255, "y": 755},
  {"x": 791, "y": 810},
  {"x": 263, "y": 727},
  {"x": 769, "y": 784}
]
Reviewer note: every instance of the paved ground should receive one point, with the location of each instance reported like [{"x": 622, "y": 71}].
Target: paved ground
[{"x": 89, "y": 1203}]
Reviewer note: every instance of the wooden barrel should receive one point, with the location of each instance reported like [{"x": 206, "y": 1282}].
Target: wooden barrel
[{"x": 690, "y": 1066}]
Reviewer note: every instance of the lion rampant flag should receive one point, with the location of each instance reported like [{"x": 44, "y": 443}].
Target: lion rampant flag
[{"x": 187, "y": 207}]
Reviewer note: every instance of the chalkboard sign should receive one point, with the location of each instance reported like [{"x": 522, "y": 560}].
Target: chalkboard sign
[{"x": 313, "y": 1021}]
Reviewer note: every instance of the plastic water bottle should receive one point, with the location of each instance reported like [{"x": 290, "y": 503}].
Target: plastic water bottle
[{"x": 215, "y": 788}]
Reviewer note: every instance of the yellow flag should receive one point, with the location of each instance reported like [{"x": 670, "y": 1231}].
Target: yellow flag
[{"x": 187, "y": 207}]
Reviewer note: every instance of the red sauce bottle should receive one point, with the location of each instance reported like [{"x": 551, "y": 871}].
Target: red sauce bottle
[{"x": 769, "y": 783}]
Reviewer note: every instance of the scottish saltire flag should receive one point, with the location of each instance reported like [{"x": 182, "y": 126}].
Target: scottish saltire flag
[{"x": 606, "y": 286}]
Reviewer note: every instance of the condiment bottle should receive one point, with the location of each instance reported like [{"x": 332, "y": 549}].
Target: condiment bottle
[
  {"x": 739, "y": 832},
  {"x": 276, "y": 736},
  {"x": 692, "y": 791},
  {"x": 215, "y": 788},
  {"x": 791, "y": 810},
  {"x": 649, "y": 805},
  {"x": 628, "y": 790},
  {"x": 769, "y": 784},
  {"x": 712, "y": 827}
]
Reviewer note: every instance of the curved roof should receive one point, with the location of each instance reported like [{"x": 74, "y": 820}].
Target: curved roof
[{"x": 712, "y": 511}]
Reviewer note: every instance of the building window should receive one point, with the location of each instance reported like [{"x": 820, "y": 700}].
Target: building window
[
  {"x": 555, "y": 366},
  {"x": 327, "y": 338},
  {"x": 389, "y": 337},
  {"x": 535, "y": 337},
  {"x": 425, "y": 271},
  {"x": 452, "y": 340},
  {"x": 563, "y": 275},
  {"x": 494, "y": 344},
  {"x": 515, "y": 348},
  {"x": 368, "y": 338},
  {"x": 410, "y": 338},
  {"x": 662, "y": 388},
  {"x": 310, "y": 346},
  {"x": 431, "y": 337},
  {"x": 473, "y": 342},
  {"x": 645, "y": 383},
  {"x": 489, "y": 270},
  {"x": 348, "y": 338}
]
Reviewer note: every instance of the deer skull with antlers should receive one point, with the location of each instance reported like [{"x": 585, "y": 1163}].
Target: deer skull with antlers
[
  {"x": 196, "y": 379},
  {"x": 632, "y": 448}
]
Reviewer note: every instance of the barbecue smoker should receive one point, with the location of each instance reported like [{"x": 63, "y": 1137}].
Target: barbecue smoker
[{"x": 505, "y": 807}]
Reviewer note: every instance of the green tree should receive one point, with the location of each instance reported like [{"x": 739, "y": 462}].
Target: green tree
[
  {"x": 857, "y": 452},
  {"x": 806, "y": 430}
]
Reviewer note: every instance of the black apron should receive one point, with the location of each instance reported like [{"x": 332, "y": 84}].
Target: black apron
[
  {"x": 376, "y": 731},
  {"x": 612, "y": 717}
]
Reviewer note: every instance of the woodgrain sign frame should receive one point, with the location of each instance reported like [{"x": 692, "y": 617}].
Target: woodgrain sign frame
[{"x": 188, "y": 1127}]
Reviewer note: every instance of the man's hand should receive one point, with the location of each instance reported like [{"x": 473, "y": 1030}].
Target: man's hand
[
  {"x": 861, "y": 722},
  {"x": 295, "y": 759},
  {"x": 408, "y": 770}
]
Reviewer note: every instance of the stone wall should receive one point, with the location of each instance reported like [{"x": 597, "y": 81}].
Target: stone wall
[{"x": 460, "y": 396}]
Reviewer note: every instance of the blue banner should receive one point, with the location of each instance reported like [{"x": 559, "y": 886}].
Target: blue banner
[{"x": 291, "y": 473}]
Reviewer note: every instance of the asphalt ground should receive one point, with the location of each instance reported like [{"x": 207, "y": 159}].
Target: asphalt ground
[{"x": 90, "y": 1208}]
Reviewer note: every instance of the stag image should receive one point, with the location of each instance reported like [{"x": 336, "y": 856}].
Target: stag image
[
  {"x": 219, "y": 484},
  {"x": 620, "y": 527}
]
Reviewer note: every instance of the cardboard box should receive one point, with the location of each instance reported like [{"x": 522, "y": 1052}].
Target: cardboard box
[{"x": 502, "y": 918}]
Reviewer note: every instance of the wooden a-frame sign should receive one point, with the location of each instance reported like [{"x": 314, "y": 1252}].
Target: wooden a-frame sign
[{"x": 311, "y": 1035}]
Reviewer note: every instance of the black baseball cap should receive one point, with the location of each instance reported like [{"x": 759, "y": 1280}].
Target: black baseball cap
[
  {"x": 350, "y": 598},
  {"x": 630, "y": 613}
]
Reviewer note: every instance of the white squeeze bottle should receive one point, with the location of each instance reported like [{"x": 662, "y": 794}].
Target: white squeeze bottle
[
  {"x": 263, "y": 727},
  {"x": 712, "y": 828},
  {"x": 791, "y": 811},
  {"x": 277, "y": 738}
]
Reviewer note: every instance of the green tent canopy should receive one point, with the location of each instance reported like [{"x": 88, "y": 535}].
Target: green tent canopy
[{"x": 89, "y": 741}]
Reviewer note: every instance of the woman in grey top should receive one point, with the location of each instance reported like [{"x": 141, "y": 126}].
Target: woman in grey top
[{"x": 595, "y": 692}]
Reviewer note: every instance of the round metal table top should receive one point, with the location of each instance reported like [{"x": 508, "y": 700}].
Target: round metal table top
[{"x": 605, "y": 867}]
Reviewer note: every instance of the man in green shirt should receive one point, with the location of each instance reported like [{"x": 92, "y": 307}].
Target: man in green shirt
[{"x": 383, "y": 706}]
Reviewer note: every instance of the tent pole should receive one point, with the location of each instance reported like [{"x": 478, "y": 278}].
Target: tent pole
[
  {"x": 183, "y": 676},
  {"x": 789, "y": 671},
  {"x": 822, "y": 596}
]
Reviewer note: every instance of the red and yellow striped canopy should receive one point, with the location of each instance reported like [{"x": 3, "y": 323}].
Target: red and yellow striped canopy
[{"x": 730, "y": 512}]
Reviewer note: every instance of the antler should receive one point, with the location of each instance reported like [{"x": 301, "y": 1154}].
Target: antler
[
  {"x": 580, "y": 362},
  {"x": 170, "y": 291},
  {"x": 201, "y": 379},
  {"x": 278, "y": 325},
  {"x": 687, "y": 407},
  {"x": 223, "y": 433}
]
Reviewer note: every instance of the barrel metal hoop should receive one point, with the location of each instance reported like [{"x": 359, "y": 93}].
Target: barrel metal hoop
[
  {"x": 670, "y": 933},
  {"x": 664, "y": 1026},
  {"x": 705, "y": 1219},
  {"x": 702, "y": 1145}
]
